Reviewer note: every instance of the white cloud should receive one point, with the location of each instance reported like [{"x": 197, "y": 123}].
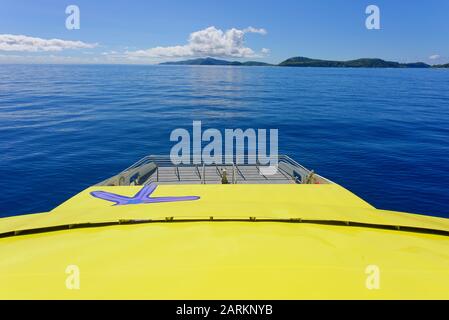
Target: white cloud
[
  {"x": 112, "y": 52},
  {"x": 255, "y": 30},
  {"x": 207, "y": 42},
  {"x": 48, "y": 58},
  {"x": 10, "y": 42},
  {"x": 435, "y": 57}
]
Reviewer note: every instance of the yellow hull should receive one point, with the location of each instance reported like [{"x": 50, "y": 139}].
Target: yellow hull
[{"x": 235, "y": 242}]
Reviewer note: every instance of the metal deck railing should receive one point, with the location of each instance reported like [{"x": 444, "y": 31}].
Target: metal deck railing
[{"x": 161, "y": 170}]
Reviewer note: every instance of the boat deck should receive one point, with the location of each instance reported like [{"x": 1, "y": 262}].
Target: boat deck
[
  {"x": 245, "y": 174},
  {"x": 161, "y": 170}
]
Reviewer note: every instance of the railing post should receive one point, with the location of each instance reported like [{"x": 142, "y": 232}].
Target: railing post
[
  {"x": 177, "y": 173},
  {"x": 204, "y": 174}
]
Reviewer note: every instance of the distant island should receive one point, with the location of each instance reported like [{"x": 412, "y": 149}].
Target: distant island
[
  {"x": 216, "y": 62},
  {"x": 441, "y": 65},
  {"x": 359, "y": 63},
  {"x": 307, "y": 62}
]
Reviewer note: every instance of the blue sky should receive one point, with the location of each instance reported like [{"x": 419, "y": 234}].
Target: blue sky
[{"x": 129, "y": 31}]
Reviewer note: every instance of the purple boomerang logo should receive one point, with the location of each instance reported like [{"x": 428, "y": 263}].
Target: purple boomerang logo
[{"x": 142, "y": 197}]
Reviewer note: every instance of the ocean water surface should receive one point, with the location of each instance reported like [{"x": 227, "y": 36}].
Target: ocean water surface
[{"x": 381, "y": 133}]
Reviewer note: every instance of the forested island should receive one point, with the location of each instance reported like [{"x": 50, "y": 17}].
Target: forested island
[
  {"x": 216, "y": 62},
  {"x": 308, "y": 62},
  {"x": 441, "y": 65}
]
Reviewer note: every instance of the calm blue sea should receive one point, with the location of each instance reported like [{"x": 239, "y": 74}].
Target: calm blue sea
[{"x": 382, "y": 133}]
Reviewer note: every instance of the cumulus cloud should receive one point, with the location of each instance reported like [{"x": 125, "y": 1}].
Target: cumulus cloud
[
  {"x": 207, "y": 42},
  {"x": 10, "y": 42},
  {"x": 435, "y": 57}
]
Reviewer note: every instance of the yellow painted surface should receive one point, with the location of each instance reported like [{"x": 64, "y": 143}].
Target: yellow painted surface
[
  {"x": 315, "y": 202},
  {"x": 226, "y": 260}
]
